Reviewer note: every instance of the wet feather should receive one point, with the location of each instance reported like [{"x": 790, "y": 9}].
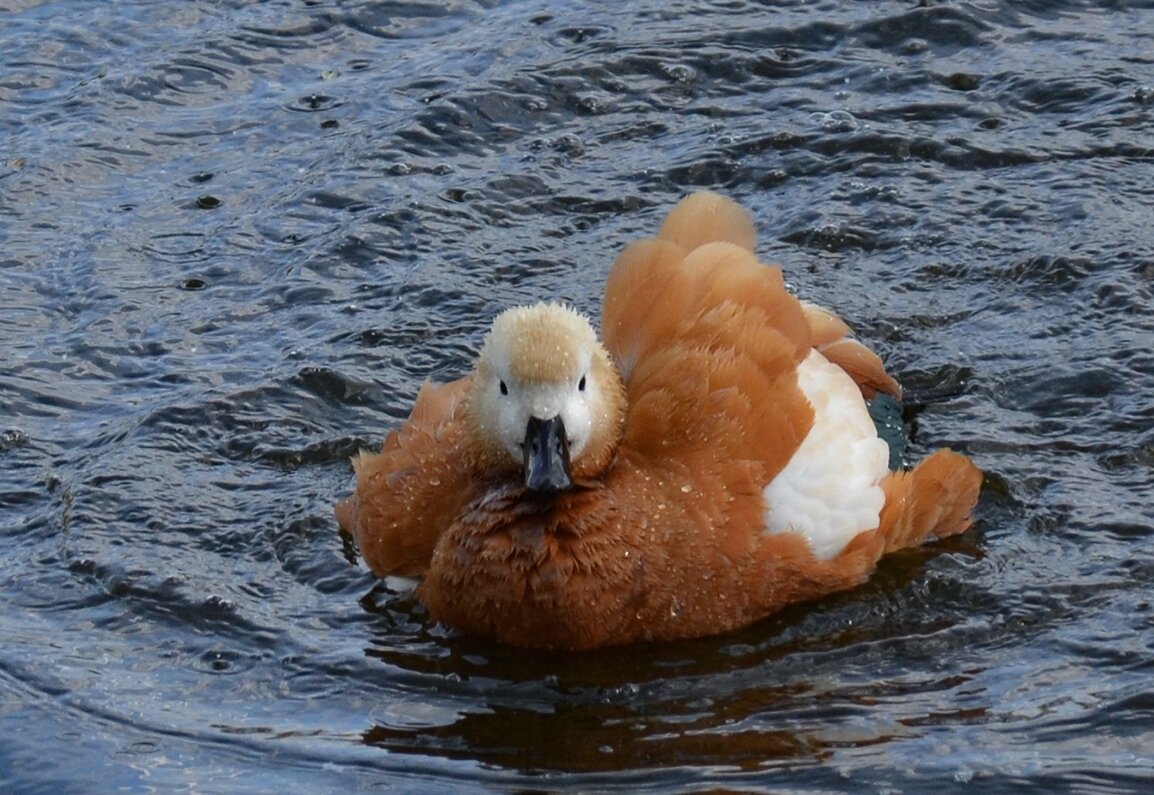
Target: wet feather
[{"x": 730, "y": 468}]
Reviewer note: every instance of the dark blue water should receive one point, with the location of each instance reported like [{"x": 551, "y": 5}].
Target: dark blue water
[{"x": 235, "y": 237}]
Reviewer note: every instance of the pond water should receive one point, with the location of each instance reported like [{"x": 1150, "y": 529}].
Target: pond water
[{"x": 235, "y": 237}]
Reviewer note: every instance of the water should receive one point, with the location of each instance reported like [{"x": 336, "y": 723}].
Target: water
[{"x": 235, "y": 237}]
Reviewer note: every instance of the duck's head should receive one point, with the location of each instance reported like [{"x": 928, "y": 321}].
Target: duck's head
[{"x": 546, "y": 399}]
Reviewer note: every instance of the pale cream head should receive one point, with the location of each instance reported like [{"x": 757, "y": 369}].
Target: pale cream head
[{"x": 542, "y": 362}]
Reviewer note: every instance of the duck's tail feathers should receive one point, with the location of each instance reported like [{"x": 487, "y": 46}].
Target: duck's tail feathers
[{"x": 934, "y": 500}]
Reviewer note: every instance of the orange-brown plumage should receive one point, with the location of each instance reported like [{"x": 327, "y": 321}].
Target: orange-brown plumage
[{"x": 701, "y": 414}]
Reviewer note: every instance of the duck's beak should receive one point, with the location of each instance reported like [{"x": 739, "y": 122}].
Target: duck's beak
[{"x": 546, "y": 456}]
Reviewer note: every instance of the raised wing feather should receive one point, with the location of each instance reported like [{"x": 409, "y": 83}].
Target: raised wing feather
[{"x": 708, "y": 340}]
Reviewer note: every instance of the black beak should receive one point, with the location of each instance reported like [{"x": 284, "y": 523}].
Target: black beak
[{"x": 546, "y": 456}]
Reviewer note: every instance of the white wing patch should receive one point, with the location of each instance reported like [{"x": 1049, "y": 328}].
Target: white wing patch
[{"x": 829, "y": 492}]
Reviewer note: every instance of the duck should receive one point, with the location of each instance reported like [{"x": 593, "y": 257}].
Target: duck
[{"x": 706, "y": 461}]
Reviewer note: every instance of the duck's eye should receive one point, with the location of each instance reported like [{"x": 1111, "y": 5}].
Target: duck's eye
[
  {"x": 504, "y": 388},
  {"x": 581, "y": 384}
]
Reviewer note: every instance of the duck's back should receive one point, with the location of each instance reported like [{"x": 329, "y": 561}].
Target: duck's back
[
  {"x": 710, "y": 344},
  {"x": 748, "y": 405}
]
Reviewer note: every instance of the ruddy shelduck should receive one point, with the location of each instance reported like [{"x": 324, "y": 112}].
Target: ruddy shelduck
[{"x": 708, "y": 464}]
